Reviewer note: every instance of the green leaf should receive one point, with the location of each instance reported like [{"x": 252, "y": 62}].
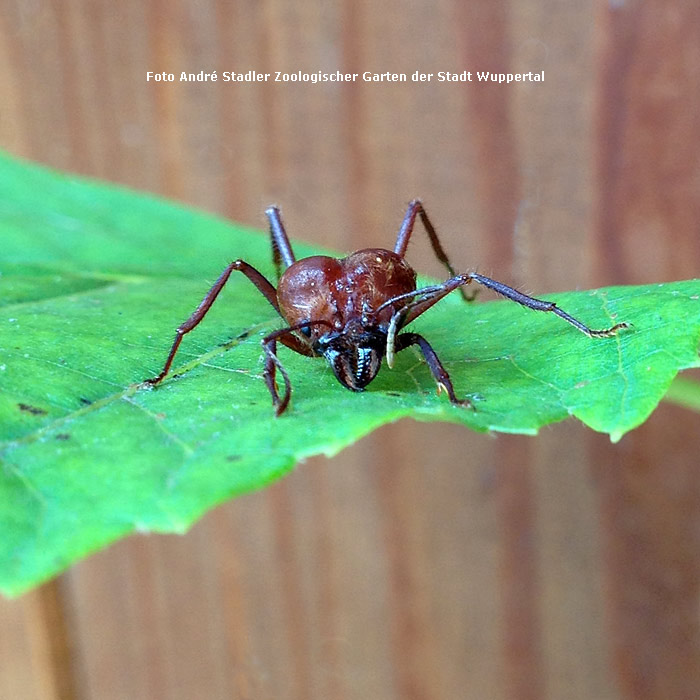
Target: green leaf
[{"x": 93, "y": 281}]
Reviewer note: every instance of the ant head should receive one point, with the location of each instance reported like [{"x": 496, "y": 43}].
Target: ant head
[{"x": 354, "y": 354}]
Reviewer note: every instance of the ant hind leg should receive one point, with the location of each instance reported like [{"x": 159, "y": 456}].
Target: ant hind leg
[{"x": 415, "y": 209}]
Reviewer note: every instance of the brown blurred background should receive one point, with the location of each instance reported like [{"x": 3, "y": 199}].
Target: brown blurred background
[{"x": 425, "y": 562}]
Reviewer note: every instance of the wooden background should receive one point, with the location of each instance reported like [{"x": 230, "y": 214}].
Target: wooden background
[{"x": 425, "y": 562}]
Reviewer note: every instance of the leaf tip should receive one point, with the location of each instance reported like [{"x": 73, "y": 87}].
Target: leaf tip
[{"x": 616, "y": 435}]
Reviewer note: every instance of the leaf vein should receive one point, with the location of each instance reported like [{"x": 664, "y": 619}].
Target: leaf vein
[{"x": 187, "y": 449}]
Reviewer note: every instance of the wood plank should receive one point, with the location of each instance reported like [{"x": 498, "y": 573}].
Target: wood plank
[{"x": 648, "y": 205}]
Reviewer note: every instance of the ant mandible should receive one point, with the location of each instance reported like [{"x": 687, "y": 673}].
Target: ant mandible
[{"x": 351, "y": 310}]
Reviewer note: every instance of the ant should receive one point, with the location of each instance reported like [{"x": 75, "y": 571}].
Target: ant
[{"x": 351, "y": 310}]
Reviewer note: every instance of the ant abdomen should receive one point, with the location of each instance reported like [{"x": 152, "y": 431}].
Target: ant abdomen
[{"x": 342, "y": 291}]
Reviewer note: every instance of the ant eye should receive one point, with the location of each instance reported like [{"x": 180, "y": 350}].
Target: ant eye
[{"x": 306, "y": 330}]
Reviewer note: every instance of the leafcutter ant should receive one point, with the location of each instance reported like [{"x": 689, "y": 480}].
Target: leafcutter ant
[{"x": 352, "y": 310}]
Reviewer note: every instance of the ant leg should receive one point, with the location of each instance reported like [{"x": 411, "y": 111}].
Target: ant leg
[
  {"x": 262, "y": 284},
  {"x": 414, "y": 309},
  {"x": 272, "y": 363},
  {"x": 415, "y": 208},
  {"x": 437, "y": 370},
  {"x": 420, "y": 301},
  {"x": 541, "y": 305},
  {"x": 281, "y": 247},
  {"x": 428, "y": 296}
]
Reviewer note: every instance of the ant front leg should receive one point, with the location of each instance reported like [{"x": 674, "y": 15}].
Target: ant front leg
[
  {"x": 422, "y": 300},
  {"x": 440, "y": 374},
  {"x": 262, "y": 284},
  {"x": 272, "y": 363},
  {"x": 415, "y": 208}
]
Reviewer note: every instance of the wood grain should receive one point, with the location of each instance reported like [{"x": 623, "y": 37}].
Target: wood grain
[
  {"x": 647, "y": 214},
  {"x": 425, "y": 562}
]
